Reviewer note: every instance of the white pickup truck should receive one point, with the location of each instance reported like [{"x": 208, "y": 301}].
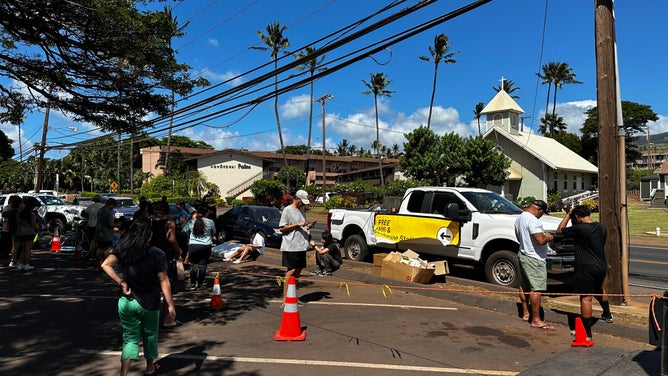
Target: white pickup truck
[{"x": 451, "y": 222}]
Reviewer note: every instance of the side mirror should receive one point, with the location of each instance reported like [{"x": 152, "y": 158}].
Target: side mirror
[{"x": 453, "y": 212}]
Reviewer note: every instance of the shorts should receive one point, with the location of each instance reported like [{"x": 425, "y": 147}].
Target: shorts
[
  {"x": 254, "y": 254},
  {"x": 294, "y": 260},
  {"x": 588, "y": 279},
  {"x": 534, "y": 273}
]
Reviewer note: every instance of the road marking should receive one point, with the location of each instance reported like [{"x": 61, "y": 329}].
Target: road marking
[
  {"x": 374, "y": 305},
  {"x": 320, "y": 363}
]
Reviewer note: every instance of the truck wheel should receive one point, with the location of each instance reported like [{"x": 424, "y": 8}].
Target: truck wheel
[
  {"x": 502, "y": 268},
  {"x": 356, "y": 248}
]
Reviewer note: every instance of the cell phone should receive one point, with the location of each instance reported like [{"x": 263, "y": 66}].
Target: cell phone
[{"x": 313, "y": 223}]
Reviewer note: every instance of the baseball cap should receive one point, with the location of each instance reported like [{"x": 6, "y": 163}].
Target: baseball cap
[
  {"x": 540, "y": 204},
  {"x": 302, "y": 195}
]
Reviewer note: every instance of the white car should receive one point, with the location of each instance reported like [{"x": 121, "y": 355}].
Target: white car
[{"x": 325, "y": 197}]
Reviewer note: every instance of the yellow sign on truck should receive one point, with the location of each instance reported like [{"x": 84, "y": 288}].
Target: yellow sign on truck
[{"x": 417, "y": 232}]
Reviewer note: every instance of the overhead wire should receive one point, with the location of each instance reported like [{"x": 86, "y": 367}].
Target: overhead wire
[{"x": 380, "y": 45}]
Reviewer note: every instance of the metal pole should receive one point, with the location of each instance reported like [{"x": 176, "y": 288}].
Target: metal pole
[{"x": 324, "y": 150}]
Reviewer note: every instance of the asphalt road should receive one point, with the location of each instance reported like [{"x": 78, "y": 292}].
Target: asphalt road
[{"x": 61, "y": 320}]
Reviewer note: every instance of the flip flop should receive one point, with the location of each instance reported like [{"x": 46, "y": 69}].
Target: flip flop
[{"x": 547, "y": 327}]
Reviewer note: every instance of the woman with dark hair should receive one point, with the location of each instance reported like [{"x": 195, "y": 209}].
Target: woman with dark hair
[
  {"x": 200, "y": 241},
  {"x": 26, "y": 229},
  {"x": 328, "y": 256},
  {"x": 144, "y": 271}
]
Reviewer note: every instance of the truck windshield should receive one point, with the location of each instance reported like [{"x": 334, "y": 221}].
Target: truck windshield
[{"x": 490, "y": 202}]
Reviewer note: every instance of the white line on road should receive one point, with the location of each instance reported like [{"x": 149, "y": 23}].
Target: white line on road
[
  {"x": 321, "y": 363},
  {"x": 374, "y": 305}
]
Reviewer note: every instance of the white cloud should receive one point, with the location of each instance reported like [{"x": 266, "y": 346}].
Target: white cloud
[
  {"x": 213, "y": 42},
  {"x": 297, "y": 106},
  {"x": 234, "y": 78}
]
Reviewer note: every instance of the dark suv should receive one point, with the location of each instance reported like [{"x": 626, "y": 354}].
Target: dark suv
[{"x": 237, "y": 222}]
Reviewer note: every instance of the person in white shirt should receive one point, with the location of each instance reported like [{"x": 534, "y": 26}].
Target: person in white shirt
[{"x": 250, "y": 251}]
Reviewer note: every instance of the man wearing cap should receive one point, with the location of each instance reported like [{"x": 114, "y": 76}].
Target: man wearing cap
[
  {"x": 532, "y": 255},
  {"x": 295, "y": 241}
]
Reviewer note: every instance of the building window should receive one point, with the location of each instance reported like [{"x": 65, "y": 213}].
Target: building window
[
  {"x": 555, "y": 185},
  {"x": 497, "y": 120},
  {"x": 565, "y": 182}
]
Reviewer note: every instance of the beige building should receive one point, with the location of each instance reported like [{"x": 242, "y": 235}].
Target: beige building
[
  {"x": 235, "y": 170},
  {"x": 538, "y": 164}
]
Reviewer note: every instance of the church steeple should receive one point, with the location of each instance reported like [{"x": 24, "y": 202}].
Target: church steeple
[{"x": 503, "y": 112}]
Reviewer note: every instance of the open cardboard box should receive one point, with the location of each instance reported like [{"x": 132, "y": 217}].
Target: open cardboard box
[{"x": 396, "y": 266}]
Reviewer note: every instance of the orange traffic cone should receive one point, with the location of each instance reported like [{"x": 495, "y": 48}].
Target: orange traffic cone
[
  {"x": 291, "y": 328},
  {"x": 581, "y": 335},
  {"x": 55, "y": 242},
  {"x": 216, "y": 298}
]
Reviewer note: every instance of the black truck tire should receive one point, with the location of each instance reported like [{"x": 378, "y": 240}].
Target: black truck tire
[
  {"x": 356, "y": 248},
  {"x": 503, "y": 268}
]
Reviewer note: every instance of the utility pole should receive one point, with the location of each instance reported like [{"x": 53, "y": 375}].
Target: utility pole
[
  {"x": 612, "y": 169},
  {"x": 324, "y": 153},
  {"x": 42, "y": 147}
]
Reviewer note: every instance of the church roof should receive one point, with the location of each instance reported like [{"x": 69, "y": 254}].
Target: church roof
[
  {"x": 547, "y": 150},
  {"x": 500, "y": 103}
]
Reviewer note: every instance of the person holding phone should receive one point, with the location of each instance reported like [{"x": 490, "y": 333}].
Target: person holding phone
[{"x": 295, "y": 230}]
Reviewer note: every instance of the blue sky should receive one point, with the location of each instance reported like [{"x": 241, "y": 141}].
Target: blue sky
[{"x": 503, "y": 38}]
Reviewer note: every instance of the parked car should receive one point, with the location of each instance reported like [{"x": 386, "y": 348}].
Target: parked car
[
  {"x": 54, "y": 210},
  {"x": 237, "y": 222},
  {"x": 125, "y": 207},
  {"x": 83, "y": 201}
]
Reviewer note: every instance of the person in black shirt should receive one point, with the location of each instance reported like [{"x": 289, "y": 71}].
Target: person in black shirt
[
  {"x": 144, "y": 277},
  {"x": 327, "y": 257},
  {"x": 590, "y": 262}
]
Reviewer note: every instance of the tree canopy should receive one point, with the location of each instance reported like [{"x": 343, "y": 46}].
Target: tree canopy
[
  {"x": 102, "y": 62},
  {"x": 635, "y": 117},
  {"x": 451, "y": 159}
]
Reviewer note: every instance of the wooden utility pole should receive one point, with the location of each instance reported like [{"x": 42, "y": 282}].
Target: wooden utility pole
[{"x": 611, "y": 168}]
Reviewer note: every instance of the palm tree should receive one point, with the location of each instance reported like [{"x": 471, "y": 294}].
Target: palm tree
[
  {"x": 377, "y": 86},
  {"x": 477, "y": 112},
  {"x": 563, "y": 75},
  {"x": 312, "y": 66},
  {"x": 276, "y": 42},
  {"x": 549, "y": 70},
  {"x": 509, "y": 87},
  {"x": 552, "y": 125},
  {"x": 440, "y": 52},
  {"x": 342, "y": 148},
  {"x": 557, "y": 74}
]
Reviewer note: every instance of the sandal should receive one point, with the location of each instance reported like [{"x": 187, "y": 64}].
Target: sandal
[
  {"x": 547, "y": 327},
  {"x": 176, "y": 324}
]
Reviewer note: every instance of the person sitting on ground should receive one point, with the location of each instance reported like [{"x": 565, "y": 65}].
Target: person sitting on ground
[
  {"x": 328, "y": 256},
  {"x": 250, "y": 251}
]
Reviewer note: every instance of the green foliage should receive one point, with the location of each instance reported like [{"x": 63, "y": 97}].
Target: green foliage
[
  {"x": 554, "y": 201},
  {"x": 635, "y": 118},
  {"x": 297, "y": 176},
  {"x": 633, "y": 177},
  {"x": 442, "y": 160},
  {"x": 485, "y": 166},
  {"x": 92, "y": 56},
  {"x": 569, "y": 140},
  {"x": 295, "y": 149},
  {"x": 268, "y": 192},
  {"x": 523, "y": 202},
  {"x": 6, "y": 149}
]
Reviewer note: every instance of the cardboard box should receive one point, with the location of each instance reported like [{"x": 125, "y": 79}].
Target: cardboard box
[
  {"x": 378, "y": 262},
  {"x": 398, "y": 266}
]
